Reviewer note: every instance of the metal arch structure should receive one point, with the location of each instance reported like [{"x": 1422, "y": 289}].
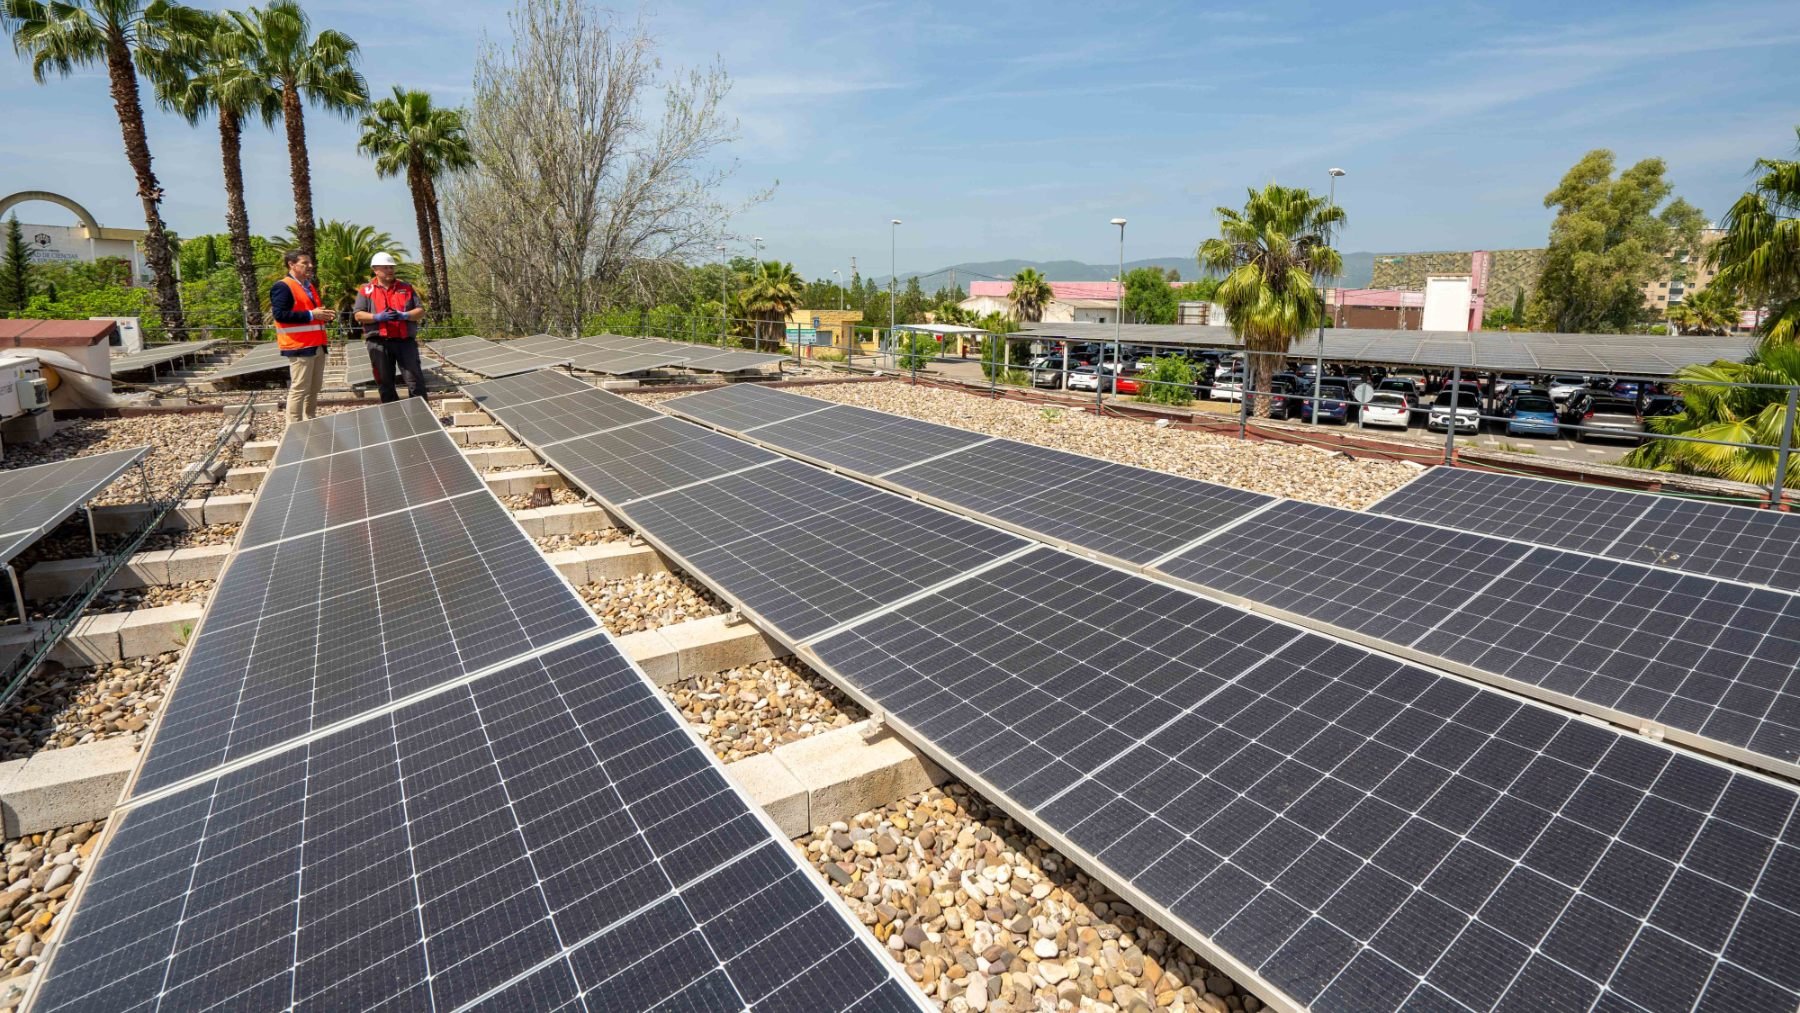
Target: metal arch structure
[{"x": 88, "y": 221}]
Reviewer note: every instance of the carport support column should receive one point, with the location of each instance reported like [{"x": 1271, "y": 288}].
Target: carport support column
[
  {"x": 1450, "y": 426},
  {"x": 1787, "y": 445},
  {"x": 18, "y": 595}
]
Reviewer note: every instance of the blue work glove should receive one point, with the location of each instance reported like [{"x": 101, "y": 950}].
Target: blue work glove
[{"x": 388, "y": 316}]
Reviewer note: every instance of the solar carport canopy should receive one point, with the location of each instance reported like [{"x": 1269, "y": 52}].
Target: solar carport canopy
[{"x": 1499, "y": 351}]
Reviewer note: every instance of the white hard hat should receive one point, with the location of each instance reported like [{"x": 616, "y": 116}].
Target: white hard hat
[{"x": 383, "y": 260}]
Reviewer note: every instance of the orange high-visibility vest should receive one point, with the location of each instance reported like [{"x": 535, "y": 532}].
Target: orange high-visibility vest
[{"x": 289, "y": 337}]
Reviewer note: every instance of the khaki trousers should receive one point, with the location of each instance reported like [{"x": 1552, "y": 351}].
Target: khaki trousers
[{"x": 306, "y": 377}]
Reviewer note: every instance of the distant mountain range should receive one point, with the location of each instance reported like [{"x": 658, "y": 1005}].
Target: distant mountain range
[{"x": 1358, "y": 267}]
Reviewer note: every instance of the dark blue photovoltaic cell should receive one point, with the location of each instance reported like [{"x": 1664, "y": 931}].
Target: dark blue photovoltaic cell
[
  {"x": 34, "y": 500},
  {"x": 643, "y": 460},
  {"x": 740, "y": 406},
  {"x": 1706, "y": 657},
  {"x": 528, "y": 835},
  {"x": 1714, "y": 539},
  {"x": 1362, "y": 833},
  {"x": 515, "y": 390}
]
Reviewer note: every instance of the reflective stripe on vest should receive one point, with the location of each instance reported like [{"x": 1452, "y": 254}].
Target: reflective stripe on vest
[{"x": 290, "y": 337}]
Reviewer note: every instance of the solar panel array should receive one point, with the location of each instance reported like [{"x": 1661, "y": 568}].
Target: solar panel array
[
  {"x": 36, "y": 499},
  {"x": 404, "y": 768},
  {"x": 1716, "y": 539},
  {"x": 1710, "y": 659},
  {"x": 262, "y": 358},
  {"x": 491, "y": 358},
  {"x": 594, "y": 359},
  {"x": 1350, "y": 831},
  {"x": 1133, "y": 515},
  {"x": 157, "y": 355},
  {"x": 693, "y": 355}
]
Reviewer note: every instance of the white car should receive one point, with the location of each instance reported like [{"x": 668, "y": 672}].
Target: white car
[
  {"x": 1562, "y": 387},
  {"x": 1386, "y": 408},
  {"x": 1468, "y": 417},
  {"x": 1228, "y": 388},
  {"x": 1083, "y": 378}
]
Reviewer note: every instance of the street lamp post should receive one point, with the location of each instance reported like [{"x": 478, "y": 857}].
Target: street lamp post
[
  {"x": 893, "y": 277},
  {"x": 1118, "y": 323},
  {"x": 724, "y": 299},
  {"x": 1319, "y": 363}
]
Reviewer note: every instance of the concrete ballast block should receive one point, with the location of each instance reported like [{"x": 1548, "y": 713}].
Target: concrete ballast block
[
  {"x": 704, "y": 646},
  {"x": 228, "y": 509},
  {"x": 654, "y": 654},
  {"x": 563, "y": 519},
  {"x": 94, "y": 640},
  {"x": 471, "y": 419},
  {"x": 475, "y": 436},
  {"x": 519, "y": 483},
  {"x": 58, "y": 787},
  {"x": 452, "y": 405},
  {"x": 846, "y": 773},
  {"x": 501, "y": 457},
  {"x": 258, "y": 451},
  {"x": 156, "y": 630},
  {"x": 245, "y": 478},
  {"x": 591, "y": 563},
  {"x": 199, "y": 562},
  {"x": 770, "y": 784}
]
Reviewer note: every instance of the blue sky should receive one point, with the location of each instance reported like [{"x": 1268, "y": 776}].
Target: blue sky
[{"x": 1017, "y": 129}]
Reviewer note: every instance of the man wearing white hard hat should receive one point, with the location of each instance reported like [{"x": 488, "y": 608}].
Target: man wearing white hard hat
[{"x": 389, "y": 311}]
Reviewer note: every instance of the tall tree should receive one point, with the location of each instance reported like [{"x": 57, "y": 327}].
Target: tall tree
[
  {"x": 769, "y": 295},
  {"x": 1712, "y": 310},
  {"x": 1031, "y": 293},
  {"x": 1148, "y": 297},
  {"x": 1607, "y": 242},
  {"x": 406, "y": 133},
  {"x": 1759, "y": 254},
  {"x": 205, "y": 74},
  {"x": 1270, "y": 252},
  {"x": 63, "y": 35},
  {"x": 15, "y": 268},
  {"x": 301, "y": 67},
  {"x": 582, "y": 188}
]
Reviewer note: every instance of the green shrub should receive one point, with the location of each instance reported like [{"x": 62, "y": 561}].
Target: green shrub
[
  {"x": 914, "y": 350},
  {"x": 1169, "y": 379}
]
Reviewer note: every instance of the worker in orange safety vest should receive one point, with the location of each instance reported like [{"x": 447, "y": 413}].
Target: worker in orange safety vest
[{"x": 300, "y": 318}]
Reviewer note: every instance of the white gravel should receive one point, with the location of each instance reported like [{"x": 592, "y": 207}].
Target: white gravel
[
  {"x": 984, "y": 916},
  {"x": 647, "y": 601},
  {"x": 758, "y": 708}
]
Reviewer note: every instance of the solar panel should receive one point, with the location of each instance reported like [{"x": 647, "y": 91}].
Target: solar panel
[
  {"x": 1349, "y": 831},
  {"x": 261, "y": 358},
  {"x": 491, "y": 358},
  {"x": 1728, "y": 542},
  {"x": 350, "y": 486},
  {"x": 519, "y": 842},
  {"x": 806, "y": 549},
  {"x": 624, "y": 464},
  {"x": 567, "y": 416},
  {"x": 523, "y": 388},
  {"x": 1131, "y": 514},
  {"x": 36, "y": 499},
  {"x": 863, "y": 441},
  {"x": 737, "y": 407},
  {"x": 330, "y": 434},
  {"x": 600, "y": 360},
  {"x": 157, "y": 355},
  {"x": 1709, "y": 659}
]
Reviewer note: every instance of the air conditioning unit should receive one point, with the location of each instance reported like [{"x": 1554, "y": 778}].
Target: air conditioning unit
[{"x": 22, "y": 386}]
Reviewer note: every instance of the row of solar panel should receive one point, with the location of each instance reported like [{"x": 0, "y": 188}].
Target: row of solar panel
[
  {"x": 694, "y": 355},
  {"x": 490, "y": 358},
  {"x": 36, "y": 499},
  {"x": 157, "y": 355},
  {"x": 1708, "y": 659},
  {"x": 1353, "y": 831},
  {"x": 592, "y": 358},
  {"x": 403, "y": 768}
]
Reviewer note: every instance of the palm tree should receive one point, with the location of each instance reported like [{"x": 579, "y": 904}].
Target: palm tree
[
  {"x": 344, "y": 251},
  {"x": 1031, "y": 292},
  {"x": 206, "y": 73},
  {"x": 1759, "y": 254},
  {"x": 1270, "y": 253},
  {"x": 63, "y": 35},
  {"x": 406, "y": 133},
  {"x": 1729, "y": 415},
  {"x": 1712, "y": 310},
  {"x": 300, "y": 67},
  {"x": 770, "y": 295}
]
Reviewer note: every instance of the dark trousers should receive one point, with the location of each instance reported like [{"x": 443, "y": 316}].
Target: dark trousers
[{"x": 386, "y": 355}]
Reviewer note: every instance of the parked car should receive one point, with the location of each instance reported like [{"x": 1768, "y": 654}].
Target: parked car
[
  {"x": 1627, "y": 389},
  {"x": 1333, "y": 404},
  {"x": 1084, "y": 378},
  {"x": 1663, "y": 404},
  {"x": 1409, "y": 387},
  {"x": 1047, "y": 371},
  {"x": 1468, "y": 416},
  {"x": 1602, "y": 415},
  {"x": 1282, "y": 402},
  {"x": 1229, "y": 387},
  {"x": 1387, "y": 408},
  {"x": 1562, "y": 387},
  {"x": 1530, "y": 415}
]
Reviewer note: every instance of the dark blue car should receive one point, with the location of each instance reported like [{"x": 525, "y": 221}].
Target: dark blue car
[{"x": 1333, "y": 404}]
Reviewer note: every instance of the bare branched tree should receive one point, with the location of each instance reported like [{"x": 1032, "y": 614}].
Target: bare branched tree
[{"x": 579, "y": 191}]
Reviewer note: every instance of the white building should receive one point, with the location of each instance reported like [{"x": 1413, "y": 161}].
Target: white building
[{"x": 86, "y": 240}]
